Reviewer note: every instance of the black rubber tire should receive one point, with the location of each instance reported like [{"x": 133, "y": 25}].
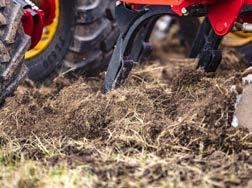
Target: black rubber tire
[
  {"x": 84, "y": 40},
  {"x": 95, "y": 35},
  {"x": 45, "y": 65},
  {"x": 13, "y": 45}
]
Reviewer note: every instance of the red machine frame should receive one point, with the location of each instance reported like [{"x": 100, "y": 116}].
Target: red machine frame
[{"x": 221, "y": 23}]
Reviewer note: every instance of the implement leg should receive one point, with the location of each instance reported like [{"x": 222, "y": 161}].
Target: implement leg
[
  {"x": 136, "y": 28},
  {"x": 211, "y": 55}
]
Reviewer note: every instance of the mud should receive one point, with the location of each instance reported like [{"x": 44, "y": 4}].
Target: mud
[{"x": 177, "y": 119}]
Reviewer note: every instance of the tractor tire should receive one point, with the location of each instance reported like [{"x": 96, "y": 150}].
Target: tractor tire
[
  {"x": 13, "y": 45},
  {"x": 84, "y": 40},
  {"x": 95, "y": 34},
  {"x": 45, "y": 64}
]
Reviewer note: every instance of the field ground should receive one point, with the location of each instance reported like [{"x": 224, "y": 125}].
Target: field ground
[{"x": 168, "y": 126}]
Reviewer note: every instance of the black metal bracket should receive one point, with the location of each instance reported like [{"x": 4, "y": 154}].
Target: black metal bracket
[
  {"x": 200, "y": 38},
  {"x": 135, "y": 32},
  {"x": 206, "y": 46},
  {"x": 211, "y": 55}
]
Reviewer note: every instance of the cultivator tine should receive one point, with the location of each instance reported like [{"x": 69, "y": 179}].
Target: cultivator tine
[
  {"x": 200, "y": 38},
  {"x": 119, "y": 67},
  {"x": 114, "y": 68},
  {"x": 206, "y": 46},
  {"x": 142, "y": 48},
  {"x": 211, "y": 55},
  {"x": 133, "y": 42}
]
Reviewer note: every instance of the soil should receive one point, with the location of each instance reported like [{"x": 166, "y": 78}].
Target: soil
[{"x": 168, "y": 112}]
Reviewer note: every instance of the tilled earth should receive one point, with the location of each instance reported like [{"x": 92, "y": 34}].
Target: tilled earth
[{"x": 168, "y": 126}]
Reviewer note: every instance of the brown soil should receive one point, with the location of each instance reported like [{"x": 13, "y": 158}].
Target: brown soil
[{"x": 166, "y": 109}]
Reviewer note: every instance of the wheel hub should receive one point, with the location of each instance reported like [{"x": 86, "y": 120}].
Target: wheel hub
[{"x": 51, "y": 9}]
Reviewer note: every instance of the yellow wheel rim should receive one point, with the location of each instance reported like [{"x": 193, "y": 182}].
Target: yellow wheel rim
[
  {"x": 237, "y": 39},
  {"x": 47, "y": 37}
]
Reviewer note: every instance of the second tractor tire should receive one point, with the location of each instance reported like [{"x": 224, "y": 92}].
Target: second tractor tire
[{"x": 84, "y": 40}]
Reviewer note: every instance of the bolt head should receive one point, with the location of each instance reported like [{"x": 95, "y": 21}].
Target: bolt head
[{"x": 184, "y": 10}]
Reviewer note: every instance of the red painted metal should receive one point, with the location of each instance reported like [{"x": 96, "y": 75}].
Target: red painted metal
[
  {"x": 34, "y": 19},
  {"x": 222, "y": 13},
  {"x": 27, "y": 22},
  {"x": 49, "y": 9},
  {"x": 33, "y": 25}
]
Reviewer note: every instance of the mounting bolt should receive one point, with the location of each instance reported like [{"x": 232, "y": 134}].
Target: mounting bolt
[
  {"x": 118, "y": 3},
  {"x": 184, "y": 11}
]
